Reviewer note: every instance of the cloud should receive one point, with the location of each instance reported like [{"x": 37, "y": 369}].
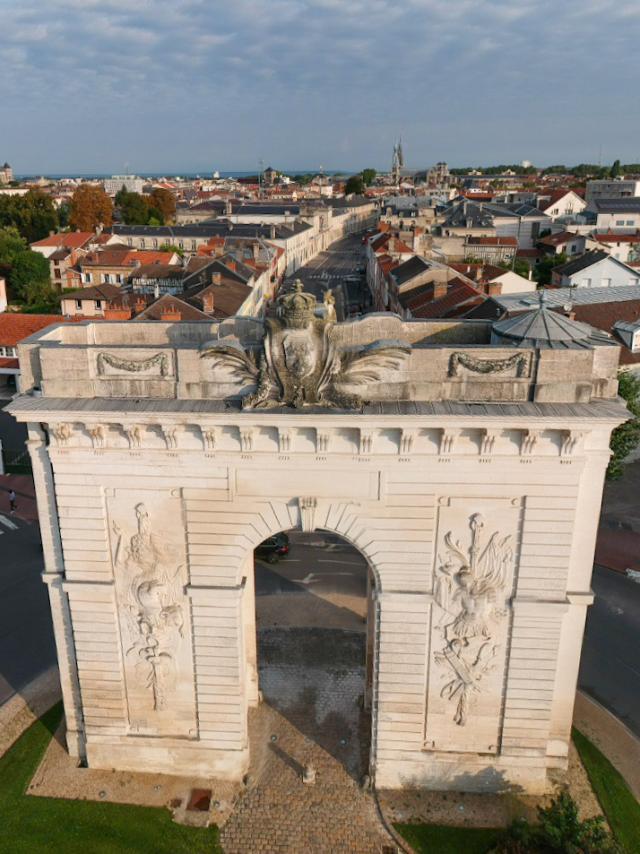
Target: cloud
[{"x": 311, "y": 80}]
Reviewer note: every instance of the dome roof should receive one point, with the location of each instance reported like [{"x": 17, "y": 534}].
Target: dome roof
[{"x": 543, "y": 327}]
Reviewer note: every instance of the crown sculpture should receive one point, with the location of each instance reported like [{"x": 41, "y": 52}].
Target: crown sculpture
[{"x": 298, "y": 363}]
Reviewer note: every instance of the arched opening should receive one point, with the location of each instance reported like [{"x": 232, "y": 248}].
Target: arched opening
[{"x": 315, "y": 630}]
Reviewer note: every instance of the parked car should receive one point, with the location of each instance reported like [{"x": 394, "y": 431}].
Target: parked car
[{"x": 273, "y": 549}]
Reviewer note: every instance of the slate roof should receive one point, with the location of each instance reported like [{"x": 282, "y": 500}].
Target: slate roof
[
  {"x": 627, "y": 205},
  {"x": 96, "y": 292},
  {"x": 411, "y": 268},
  {"x": 219, "y": 228},
  {"x": 544, "y": 328},
  {"x": 560, "y": 297},
  {"x": 590, "y": 258}
]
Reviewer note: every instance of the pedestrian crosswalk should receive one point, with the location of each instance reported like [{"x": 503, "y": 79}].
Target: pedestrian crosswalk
[{"x": 7, "y": 524}]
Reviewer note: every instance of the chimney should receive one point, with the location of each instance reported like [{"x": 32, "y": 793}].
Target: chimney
[
  {"x": 228, "y": 209},
  {"x": 208, "y": 302},
  {"x": 121, "y": 313},
  {"x": 494, "y": 289},
  {"x": 272, "y": 232},
  {"x": 530, "y": 276},
  {"x": 440, "y": 289},
  {"x": 170, "y": 314},
  {"x": 392, "y": 244},
  {"x": 231, "y": 264},
  {"x": 216, "y": 278}
]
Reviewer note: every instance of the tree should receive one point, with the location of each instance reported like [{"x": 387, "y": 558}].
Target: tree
[
  {"x": 29, "y": 276},
  {"x": 171, "y": 247},
  {"x": 626, "y": 437},
  {"x": 545, "y": 265},
  {"x": 518, "y": 266},
  {"x": 34, "y": 214},
  {"x": 133, "y": 207},
  {"x": 368, "y": 176},
  {"x": 615, "y": 169},
  {"x": 90, "y": 207},
  {"x": 165, "y": 202},
  {"x": 12, "y": 244},
  {"x": 355, "y": 185},
  {"x": 559, "y": 831}
]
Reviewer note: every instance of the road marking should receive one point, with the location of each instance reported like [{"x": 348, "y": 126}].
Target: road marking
[
  {"x": 344, "y": 562},
  {"x": 8, "y": 523}
]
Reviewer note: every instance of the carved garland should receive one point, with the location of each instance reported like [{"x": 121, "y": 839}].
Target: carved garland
[
  {"x": 133, "y": 365},
  {"x": 488, "y": 366}
]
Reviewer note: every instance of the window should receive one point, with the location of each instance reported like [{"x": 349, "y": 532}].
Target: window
[
  {"x": 87, "y": 278},
  {"x": 629, "y": 222},
  {"x": 619, "y": 222},
  {"x": 98, "y": 303},
  {"x": 57, "y": 274},
  {"x": 79, "y": 304},
  {"x": 606, "y": 283},
  {"x": 106, "y": 278},
  {"x": 118, "y": 279},
  {"x": 181, "y": 244},
  {"x": 586, "y": 283},
  {"x": 155, "y": 243},
  {"x": 142, "y": 243},
  {"x": 193, "y": 244}
]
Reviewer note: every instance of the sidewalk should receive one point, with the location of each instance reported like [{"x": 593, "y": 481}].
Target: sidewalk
[
  {"x": 24, "y": 488},
  {"x": 611, "y": 736}
]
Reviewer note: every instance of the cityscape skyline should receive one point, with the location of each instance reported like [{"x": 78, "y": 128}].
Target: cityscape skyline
[{"x": 98, "y": 85}]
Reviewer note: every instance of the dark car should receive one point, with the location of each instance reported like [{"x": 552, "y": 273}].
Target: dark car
[{"x": 273, "y": 549}]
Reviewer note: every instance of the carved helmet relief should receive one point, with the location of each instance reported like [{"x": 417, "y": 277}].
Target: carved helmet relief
[
  {"x": 299, "y": 364},
  {"x": 470, "y": 589}
]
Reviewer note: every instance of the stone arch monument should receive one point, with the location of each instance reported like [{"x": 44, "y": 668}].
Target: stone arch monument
[{"x": 464, "y": 459}]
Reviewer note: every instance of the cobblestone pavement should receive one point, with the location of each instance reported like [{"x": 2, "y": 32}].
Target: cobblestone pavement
[{"x": 312, "y": 682}]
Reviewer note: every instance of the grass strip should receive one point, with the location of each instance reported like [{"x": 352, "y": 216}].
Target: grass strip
[
  {"x": 31, "y": 825},
  {"x": 617, "y": 801},
  {"x": 432, "y": 838}
]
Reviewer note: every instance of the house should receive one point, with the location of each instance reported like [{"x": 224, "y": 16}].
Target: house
[
  {"x": 563, "y": 243},
  {"x": 493, "y": 250},
  {"x": 89, "y": 302},
  {"x": 170, "y": 308},
  {"x": 69, "y": 240},
  {"x": 561, "y": 202},
  {"x": 611, "y": 188},
  {"x": 623, "y": 247},
  {"x": 15, "y": 327},
  {"x": 594, "y": 269},
  {"x": 454, "y": 297},
  {"x": 115, "y": 264},
  {"x": 617, "y": 214}
]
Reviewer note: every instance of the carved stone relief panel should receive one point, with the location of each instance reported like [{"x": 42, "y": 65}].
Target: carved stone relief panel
[
  {"x": 150, "y": 570},
  {"x": 476, "y": 551}
]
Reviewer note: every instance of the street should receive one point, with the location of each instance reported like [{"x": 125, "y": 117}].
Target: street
[
  {"x": 341, "y": 268},
  {"x": 26, "y": 633},
  {"x": 610, "y": 668}
]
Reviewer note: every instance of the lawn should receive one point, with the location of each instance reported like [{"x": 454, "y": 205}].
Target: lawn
[
  {"x": 30, "y": 825},
  {"x": 431, "y": 838},
  {"x": 617, "y": 802}
]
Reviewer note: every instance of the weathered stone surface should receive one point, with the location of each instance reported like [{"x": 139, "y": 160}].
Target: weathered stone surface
[{"x": 477, "y": 519}]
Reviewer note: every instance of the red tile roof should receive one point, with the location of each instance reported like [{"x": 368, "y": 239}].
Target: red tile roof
[
  {"x": 15, "y": 327},
  {"x": 9, "y": 363},
  {"x": 69, "y": 239},
  {"x": 605, "y": 314},
  {"x": 460, "y": 298},
  {"x": 612, "y": 237}
]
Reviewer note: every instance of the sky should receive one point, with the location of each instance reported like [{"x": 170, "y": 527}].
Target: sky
[{"x": 196, "y": 85}]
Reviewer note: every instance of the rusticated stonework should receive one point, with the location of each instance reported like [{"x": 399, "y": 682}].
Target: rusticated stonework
[{"x": 465, "y": 465}]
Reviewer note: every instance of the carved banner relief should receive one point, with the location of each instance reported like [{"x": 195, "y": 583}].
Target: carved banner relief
[
  {"x": 150, "y": 571},
  {"x": 475, "y": 559}
]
